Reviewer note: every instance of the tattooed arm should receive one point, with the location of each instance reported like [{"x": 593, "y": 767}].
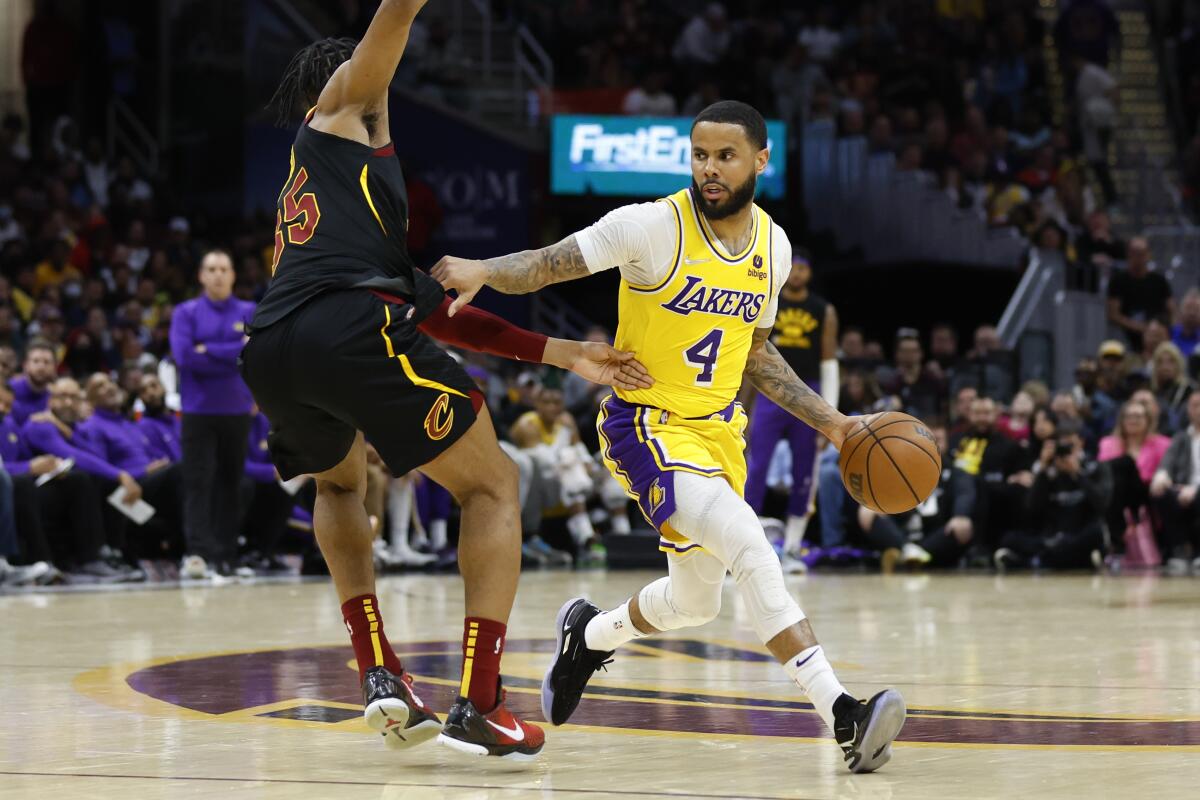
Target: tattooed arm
[
  {"x": 519, "y": 273},
  {"x": 772, "y": 376}
]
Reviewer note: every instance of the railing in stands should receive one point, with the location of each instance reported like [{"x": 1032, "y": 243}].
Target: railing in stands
[
  {"x": 127, "y": 135},
  {"x": 1049, "y": 326},
  {"x": 537, "y": 83}
]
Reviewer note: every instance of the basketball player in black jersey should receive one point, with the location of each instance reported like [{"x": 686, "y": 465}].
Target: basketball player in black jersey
[
  {"x": 806, "y": 334},
  {"x": 337, "y": 350}
]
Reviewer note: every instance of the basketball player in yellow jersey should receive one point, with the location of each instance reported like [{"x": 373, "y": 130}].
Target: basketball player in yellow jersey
[{"x": 701, "y": 273}]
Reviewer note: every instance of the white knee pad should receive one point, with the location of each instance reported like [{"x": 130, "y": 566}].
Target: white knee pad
[
  {"x": 689, "y": 597},
  {"x": 711, "y": 514}
]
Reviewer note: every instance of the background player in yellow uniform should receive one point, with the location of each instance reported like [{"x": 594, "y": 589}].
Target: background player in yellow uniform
[{"x": 701, "y": 273}]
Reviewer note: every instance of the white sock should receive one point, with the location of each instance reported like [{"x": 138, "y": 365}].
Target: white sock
[
  {"x": 580, "y": 527},
  {"x": 437, "y": 534},
  {"x": 611, "y": 629},
  {"x": 400, "y": 503},
  {"x": 812, "y": 673},
  {"x": 620, "y": 523},
  {"x": 794, "y": 534}
]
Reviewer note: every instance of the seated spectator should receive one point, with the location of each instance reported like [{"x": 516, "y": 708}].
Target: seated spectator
[
  {"x": 91, "y": 348},
  {"x": 31, "y": 388},
  {"x": 943, "y": 351},
  {"x": 1135, "y": 451},
  {"x": 1174, "y": 488},
  {"x": 704, "y": 39},
  {"x": 960, "y": 412},
  {"x": 8, "y": 363},
  {"x": 159, "y": 424},
  {"x": 1067, "y": 503},
  {"x": 54, "y": 432},
  {"x": 1017, "y": 423},
  {"x": 821, "y": 36},
  {"x": 859, "y": 393},
  {"x": 988, "y": 366},
  {"x": 650, "y": 98},
  {"x": 1112, "y": 371},
  {"x": 127, "y": 460},
  {"x": 267, "y": 505},
  {"x": 851, "y": 353},
  {"x": 1098, "y": 245},
  {"x": 947, "y": 521},
  {"x": 1136, "y": 295},
  {"x": 1156, "y": 333},
  {"x": 997, "y": 465},
  {"x": 57, "y": 269},
  {"x": 1172, "y": 386},
  {"x": 1186, "y": 333},
  {"x": 550, "y": 436},
  {"x": 59, "y": 521},
  {"x": 918, "y": 391}
]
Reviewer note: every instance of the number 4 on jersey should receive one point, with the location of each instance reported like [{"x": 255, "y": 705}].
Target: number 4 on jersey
[
  {"x": 703, "y": 355},
  {"x": 300, "y": 212}
]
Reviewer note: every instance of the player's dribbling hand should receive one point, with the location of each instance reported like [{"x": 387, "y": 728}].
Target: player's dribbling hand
[
  {"x": 463, "y": 276},
  {"x": 601, "y": 363}
]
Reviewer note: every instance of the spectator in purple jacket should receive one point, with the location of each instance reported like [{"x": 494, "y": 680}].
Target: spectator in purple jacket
[
  {"x": 31, "y": 387},
  {"x": 207, "y": 335},
  {"x": 53, "y": 432},
  {"x": 60, "y": 521},
  {"x": 159, "y": 424},
  {"x": 267, "y": 504}
]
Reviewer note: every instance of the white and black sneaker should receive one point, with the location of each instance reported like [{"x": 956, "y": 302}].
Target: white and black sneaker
[
  {"x": 865, "y": 730},
  {"x": 391, "y": 707},
  {"x": 573, "y": 663}
]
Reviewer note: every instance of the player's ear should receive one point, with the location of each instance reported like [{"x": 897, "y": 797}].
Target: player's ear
[{"x": 761, "y": 159}]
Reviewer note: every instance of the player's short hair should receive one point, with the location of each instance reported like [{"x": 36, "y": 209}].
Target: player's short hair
[
  {"x": 306, "y": 75},
  {"x": 734, "y": 112}
]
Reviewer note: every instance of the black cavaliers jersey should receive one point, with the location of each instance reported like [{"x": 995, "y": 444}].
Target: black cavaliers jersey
[
  {"x": 799, "y": 326},
  {"x": 341, "y": 222}
]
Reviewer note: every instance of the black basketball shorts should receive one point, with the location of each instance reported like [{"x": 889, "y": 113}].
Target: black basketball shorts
[{"x": 348, "y": 361}]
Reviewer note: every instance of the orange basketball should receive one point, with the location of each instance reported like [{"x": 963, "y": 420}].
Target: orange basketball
[{"x": 890, "y": 462}]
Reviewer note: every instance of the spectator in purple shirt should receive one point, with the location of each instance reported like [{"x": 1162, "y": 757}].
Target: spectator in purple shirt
[
  {"x": 53, "y": 432},
  {"x": 31, "y": 387},
  {"x": 159, "y": 424},
  {"x": 267, "y": 504},
  {"x": 207, "y": 335},
  {"x": 60, "y": 521}
]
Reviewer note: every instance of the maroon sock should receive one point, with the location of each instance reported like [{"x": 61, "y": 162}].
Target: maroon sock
[
  {"x": 483, "y": 644},
  {"x": 371, "y": 648}
]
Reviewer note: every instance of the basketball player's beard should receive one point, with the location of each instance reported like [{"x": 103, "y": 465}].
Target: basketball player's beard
[{"x": 738, "y": 199}]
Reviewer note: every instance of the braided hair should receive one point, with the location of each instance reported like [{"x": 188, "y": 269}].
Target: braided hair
[{"x": 306, "y": 75}]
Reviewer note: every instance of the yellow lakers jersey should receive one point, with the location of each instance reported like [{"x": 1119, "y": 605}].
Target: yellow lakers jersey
[
  {"x": 693, "y": 329},
  {"x": 557, "y": 434}
]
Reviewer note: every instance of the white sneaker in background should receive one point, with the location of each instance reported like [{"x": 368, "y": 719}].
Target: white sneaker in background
[
  {"x": 913, "y": 553},
  {"x": 194, "y": 568},
  {"x": 792, "y": 565}
]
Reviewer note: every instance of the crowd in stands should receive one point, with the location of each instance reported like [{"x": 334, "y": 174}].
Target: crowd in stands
[{"x": 956, "y": 90}]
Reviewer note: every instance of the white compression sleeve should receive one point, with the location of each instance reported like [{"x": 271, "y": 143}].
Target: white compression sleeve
[{"x": 712, "y": 515}]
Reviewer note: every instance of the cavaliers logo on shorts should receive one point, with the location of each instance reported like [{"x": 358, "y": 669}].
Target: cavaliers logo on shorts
[{"x": 440, "y": 418}]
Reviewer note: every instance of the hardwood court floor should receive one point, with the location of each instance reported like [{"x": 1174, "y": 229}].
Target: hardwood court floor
[{"x": 1020, "y": 687}]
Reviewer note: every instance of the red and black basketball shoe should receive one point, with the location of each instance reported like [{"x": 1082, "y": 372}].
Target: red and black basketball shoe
[
  {"x": 496, "y": 733},
  {"x": 391, "y": 707}
]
